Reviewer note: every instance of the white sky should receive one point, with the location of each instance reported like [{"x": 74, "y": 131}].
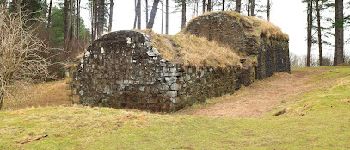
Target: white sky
[{"x": 289, "y": 15}]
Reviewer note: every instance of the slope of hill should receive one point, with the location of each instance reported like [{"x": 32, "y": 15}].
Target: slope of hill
[{"x": 315, "y": 113}]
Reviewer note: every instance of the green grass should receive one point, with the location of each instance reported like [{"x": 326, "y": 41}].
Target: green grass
[{"x": 318, "y": 120}]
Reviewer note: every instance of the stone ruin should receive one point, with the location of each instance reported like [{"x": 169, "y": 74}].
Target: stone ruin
[
  {"x": 249, "y": 35},
  {"x": 143, "y": 70}
]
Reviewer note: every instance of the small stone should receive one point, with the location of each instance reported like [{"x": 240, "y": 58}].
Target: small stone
[
  {"x": 142, "y": 88},
  {"x": 170, "y": 79},
  {"x": 81, "y": 93},
  {"x": 173, "y": 100},
  {"x": 172, "y": 70},
  {"x": 171, "y": 94},
  {"x": 175, "y": 87}
]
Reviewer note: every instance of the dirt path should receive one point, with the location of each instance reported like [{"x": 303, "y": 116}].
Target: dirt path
[{"x": 262, "y": 96}]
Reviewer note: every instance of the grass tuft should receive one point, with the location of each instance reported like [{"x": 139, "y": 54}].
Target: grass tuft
[
  {"x": 260, "y": 26},
  {"x": 191, "y": 50}
]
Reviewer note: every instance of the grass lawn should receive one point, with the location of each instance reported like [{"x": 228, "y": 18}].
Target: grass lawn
[{"x": 319, "y": 119}]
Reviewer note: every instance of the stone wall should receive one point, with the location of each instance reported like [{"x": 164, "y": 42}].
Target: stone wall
[
  {"x": 247, "y": 38},
  {"x": 123, "y": 70},
  {"x": 273, "y": 56}
]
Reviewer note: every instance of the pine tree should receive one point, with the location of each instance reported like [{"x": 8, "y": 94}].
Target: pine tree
[
  {"x": 309, "y": 30},
  {"x": 319, "y": 31},
  {"x": 238, "y": 6},
  {"x": 166, "y": 16},
  {"x": 339, "y": 33},
  {"x": 183, "y": 14},
  {"x": 153, "y": 14}
]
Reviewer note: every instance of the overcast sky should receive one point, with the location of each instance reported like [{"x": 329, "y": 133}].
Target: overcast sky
[{"x": 289, "y": 15}]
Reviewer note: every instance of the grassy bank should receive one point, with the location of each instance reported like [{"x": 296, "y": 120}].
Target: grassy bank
[{"x": 319, "y": 119}]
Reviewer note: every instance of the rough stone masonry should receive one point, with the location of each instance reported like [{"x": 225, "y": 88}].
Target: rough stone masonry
[{"x": 125, "y": 69}]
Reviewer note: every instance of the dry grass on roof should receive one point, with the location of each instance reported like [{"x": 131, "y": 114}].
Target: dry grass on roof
[
  {"x": 261, "y": 26},
  {"x": 191, "y": 50}
]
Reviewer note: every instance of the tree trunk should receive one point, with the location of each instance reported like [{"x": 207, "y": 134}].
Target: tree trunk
[
  {"x": 67, "y": 24},
  {"x": 139, "y": 14},
  {"x": 197, "y": 7},
  {"x": 268, "y": 10},
  {"x": 153, "y": 14},
  {"x": 248, "y": 7},
  {"x": 166, "y": 16},
  {"x": 73, "y": 21},
  {"x": 146, "y": 1},
  {"x": 100, "y": 18},
  {"x": 183, "y": 14},
  {"x": 209, "y": 6},
  {"x": 252, "y": 7},
  {"x": 93, "y": 16},
  {"x": 309, "y": 36},
  {"x": 78, "y": 19},
  {"x": 223, "y": 5},
  {"x": 238, "y": 6},
  {"x": 339, "y": 33},
  {"x": 162, "y": 17},
  {"x": 135, "y": 18},
  {"x": 110, "y": 22},
  {"x": 319, "y": 31},
  {"x": 49, "y": 16},
  {"x": 1, "y": 99},
  {"x": 203, "y": 7}
]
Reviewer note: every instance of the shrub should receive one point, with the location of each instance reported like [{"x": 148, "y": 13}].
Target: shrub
[{"x": 20, "y": 52}]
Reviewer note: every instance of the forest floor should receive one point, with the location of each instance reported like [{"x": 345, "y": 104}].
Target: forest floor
[{"x": 308, "y": 109}]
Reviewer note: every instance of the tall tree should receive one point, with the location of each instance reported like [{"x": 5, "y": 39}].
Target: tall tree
[
  {"x": 309, "y": 30},
  {"x": 319, "y": 31},
  {"x": 252, "y": 7},
  {"x": 204, "y": 3},
  {"x": 166, "y": 16},
  {"x": 153, "y": 14},
  {"x": 78, "y": 19},
  {"x": 183, "y": 13},
  {"x": 73, "y": 20},
  {"x": 139, "y": 14},
  {"x": 137, "y": 20},
  {"x": 101, "y": 13},
  {"x": 162, "y": 17},
  {"x": 339, "y": 33},
  {"x": 209, "y": 6},
  {"x": 268, "y": 10},
  {"x": 223, "y": 5},
  {"x": 197, "y": 7},
  {"x": 238, "y": 6},
  {"x": 93, "y": 19},
  {"x": 67, "y": 24},
  {"x": 49, "y": 16},
  {"x": 146, "y": 13},
  {"x": 110, "y": 22}
]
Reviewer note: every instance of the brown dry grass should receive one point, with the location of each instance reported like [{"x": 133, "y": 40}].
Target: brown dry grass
[
  {"x": 45, "y": 94},
  {"x": 261, "y": 26},
  {"x": 191, "y": 50}
]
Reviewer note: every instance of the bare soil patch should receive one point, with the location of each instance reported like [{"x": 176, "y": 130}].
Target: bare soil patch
[{"x": 260, "y": 97}]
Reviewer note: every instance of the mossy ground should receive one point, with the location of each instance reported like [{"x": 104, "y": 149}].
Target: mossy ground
[{"x": 319, "y": 119}]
